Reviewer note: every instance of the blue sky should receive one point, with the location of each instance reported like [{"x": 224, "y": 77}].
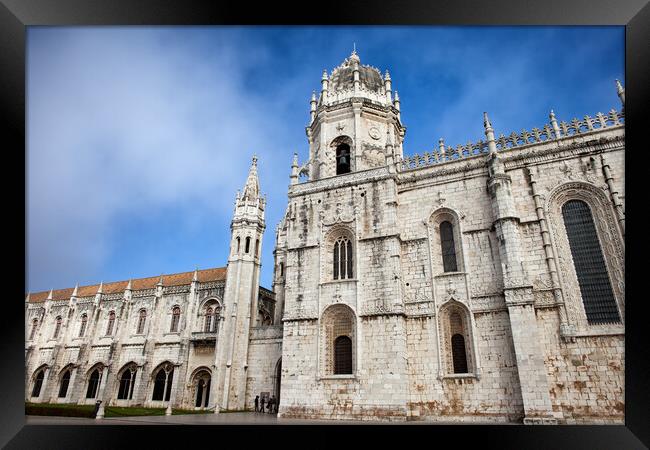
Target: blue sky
[{"x": 139, "y": 137}]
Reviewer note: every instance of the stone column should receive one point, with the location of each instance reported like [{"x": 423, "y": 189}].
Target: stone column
[
  {"x": 518, "y": 291},
  {"x": 100, "y": 394}
]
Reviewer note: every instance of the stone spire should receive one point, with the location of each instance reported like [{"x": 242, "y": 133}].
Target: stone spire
[
  {"x": 49, "y": 296},
  {"x": 129, "y": 286},
  {"x": 100, "y": 290},
  {"x": 388, "y": 86},
  {"x": 489, "y": 134},
  {"x": 76, "y": 289},
  {"x": 621, "y": 92},
  {"x": 294, "y": 169},
  {"x": 196, "y": 275},
  {"x": 556, "y": 128},
  {"x": 252, "y": 187},
  {"x": 312, "y": 106}
]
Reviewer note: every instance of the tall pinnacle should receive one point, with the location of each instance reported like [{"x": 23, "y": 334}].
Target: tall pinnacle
[{"x": 252, "y": 188}]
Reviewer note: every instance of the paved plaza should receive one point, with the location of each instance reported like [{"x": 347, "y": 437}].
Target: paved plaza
[{"x": 240, "y": 418}]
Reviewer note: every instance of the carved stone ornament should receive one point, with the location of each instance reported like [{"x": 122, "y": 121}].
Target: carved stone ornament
[{"x": 374, "y": 133}]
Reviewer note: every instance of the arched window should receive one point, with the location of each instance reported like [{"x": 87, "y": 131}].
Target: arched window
[
  {"x": 337, "y": 340},
  {"x": 127, "y": 381},
  {"x": 163, "y": 383},
  {"x": 38, "y": 383},
  {"x": 257, "y": 247},
  {"x": 458, "y": 353},
  {"x": 342, "y": 355},
  {"x": 342, "y": 159},
  {"x": 238, "y": 244},
  {"x": 57, "y": 327},
  {"x": 281, "y": 269},
  {"x": 82, "y": 327},
  {"x": 34, "y": 327},
  {"x": 448, "y": 247},
  {"x": 343, "y": 259},
  {"x": 209, "y": 320},
  {"x": 248, "y": 245},
  {"x": 111, "y": 322},
  {"x": 176, "y": 315},
  {"x": 597, "y": 295},
  {"x": 93, "y": 383},
  {"x": 65, "y": 381},
  {"x": 456, "y": 339},
  {"x": 142, "y": 319}
]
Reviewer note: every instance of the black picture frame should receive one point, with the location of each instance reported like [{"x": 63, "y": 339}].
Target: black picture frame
[{"x": 16, "y": 15}]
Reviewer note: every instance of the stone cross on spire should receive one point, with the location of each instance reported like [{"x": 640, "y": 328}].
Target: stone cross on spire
[{"x": 252, "y": 187}]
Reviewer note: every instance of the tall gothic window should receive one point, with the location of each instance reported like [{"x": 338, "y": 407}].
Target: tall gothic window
[
  {"x": 257, "y": 247},
  {"x": 597, "y": 296},
  {"x": 111, "y": 322},
  {"x": 209, "y": 320},
  {"x": 127, "y": 381},
  {"x": 82, "y": 327},
  {"x": 176, "y": 315},
  {"x": 34, "y": 327},
  {"x": 459, "y": 356},
  {"x": 248, "y": 245},
  {"x": 343, "y": 259},
  {"x": 38, "y": 383},
  {"x": 142, "y": 320},
  {"x": 163, "y": 383},
  {"x": 342, "y": 159},
  {"x": 238, "y": 244},
  {"x": 281, "y": 269},
  {"x": 448, "y": 247},
  {"x": 65, "y": 381},
  {"x": 57, "y": 327},
  {"x": 342, "y": 355},
  {"x": 93, "y": 383}
]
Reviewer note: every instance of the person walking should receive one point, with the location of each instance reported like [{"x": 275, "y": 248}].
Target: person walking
[
  {"x": 257, "y": 402},
  {"x": 262, "y": 404},
  {"x": 272, "y": 403}
]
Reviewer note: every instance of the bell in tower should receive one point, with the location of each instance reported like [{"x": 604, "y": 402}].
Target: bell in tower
[{"x": 342, "y": 159}]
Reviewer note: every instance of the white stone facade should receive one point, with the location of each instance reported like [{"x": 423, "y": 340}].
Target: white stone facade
[{"x": 513, "y": 294}]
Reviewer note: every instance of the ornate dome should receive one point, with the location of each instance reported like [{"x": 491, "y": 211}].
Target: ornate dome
[{"x": 343, "y": 76}]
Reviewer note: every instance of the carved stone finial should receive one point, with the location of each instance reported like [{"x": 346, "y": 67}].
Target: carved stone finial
[
  {"x": 100, "y": 290},
  {"x": 556, "y": 128},
  {"x": 160, "y": 281},
  {"x": 49, "y": 296},
  {"x": 486, "y": 121},
  {"x": 76, "y": 288},
  {"x": 294, "y": 169},
  {"x": 195, "y": 277},
  {"x": 129, "y": 286},
  {"x": 387, "y": 75},
  {"x": 324, "y": 77},
  {"x": 621, "y": 92}
]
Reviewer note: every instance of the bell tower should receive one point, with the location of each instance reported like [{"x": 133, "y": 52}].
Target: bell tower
[
  {"x": 241, "y": 294},
  {"x": 354, "y": 123}
]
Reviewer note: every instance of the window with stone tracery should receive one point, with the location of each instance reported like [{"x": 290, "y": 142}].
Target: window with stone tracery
[
  {"x": 591, "y": 270},
  {"x": 163, "y": 383},
  {"x": 456, "y": 339},
  {"x": 142, "y": 320},
  {"x": 38, "y": 383},
  {"x": 93, "y": 382},
  {"x": 111, "y": 323},
  {"x": 176, "y": 316},
  {"x": 448, "y": 247},
  {"x": 338, "y": 336},
  {"x": 127, "y": 382},
  {"x": 65, "y": 382},
  {"x": 342, "y": 267}
]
